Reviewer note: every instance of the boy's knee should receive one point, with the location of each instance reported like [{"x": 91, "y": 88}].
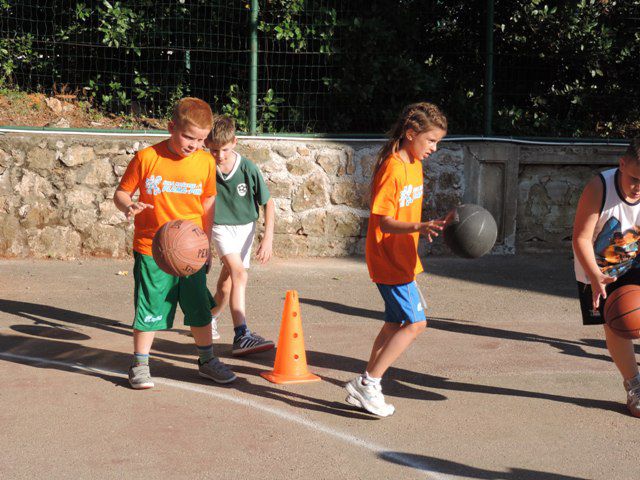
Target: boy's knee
[
  {"x": 225, "y": 286},
  {"x": 239, "y": 276}
]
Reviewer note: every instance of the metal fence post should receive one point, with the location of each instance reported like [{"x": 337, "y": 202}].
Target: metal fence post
[
  {"x": 253, "y": 72},
  {"x": 488, "y": 70}
]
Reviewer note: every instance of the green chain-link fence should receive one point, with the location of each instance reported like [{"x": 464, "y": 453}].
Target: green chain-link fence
[{"x": 339, "y": 66}]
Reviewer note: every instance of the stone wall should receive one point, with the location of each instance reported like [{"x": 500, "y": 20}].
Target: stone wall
[
  {"x": 533, "y": 190},
  {"x": 550, "y": 183},
  {"x": 56, "y": 192}
]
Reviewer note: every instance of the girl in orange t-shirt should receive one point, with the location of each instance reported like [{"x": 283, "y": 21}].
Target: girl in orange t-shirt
[{"x": 392, "y": 245}]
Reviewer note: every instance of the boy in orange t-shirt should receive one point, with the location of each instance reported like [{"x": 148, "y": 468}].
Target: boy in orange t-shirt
[
  {"x": 176, "y": 180},
  {"x": 392, "y": 246}
]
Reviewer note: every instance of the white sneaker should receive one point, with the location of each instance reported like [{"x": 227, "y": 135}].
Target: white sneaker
[
  {"x": 369, "y": 397},
  {"x": 214, "y": 328}
]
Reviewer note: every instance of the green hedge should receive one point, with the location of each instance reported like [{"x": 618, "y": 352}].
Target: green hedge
[{"x": 566, "y": 69}]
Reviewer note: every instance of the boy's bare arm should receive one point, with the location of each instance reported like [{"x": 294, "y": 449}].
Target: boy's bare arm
[
  {"x": 209, "y": 207},
  {"x": 265, "y": 250},
  {"x": 587, "y": 214},
  {"x": 124, "y": 202}
]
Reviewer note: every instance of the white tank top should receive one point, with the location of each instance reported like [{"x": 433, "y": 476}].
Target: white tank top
[{"x": 615, "y": 238}]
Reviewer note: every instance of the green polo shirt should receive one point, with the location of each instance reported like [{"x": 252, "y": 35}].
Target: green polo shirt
[{"x": 240, "y": 193}]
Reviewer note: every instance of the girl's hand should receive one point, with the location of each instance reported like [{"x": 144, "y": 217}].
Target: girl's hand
[
  {"x": 135, "y": 208},
  {"x": 431, "y": 229},
  {"x": 449, "y": 217}
]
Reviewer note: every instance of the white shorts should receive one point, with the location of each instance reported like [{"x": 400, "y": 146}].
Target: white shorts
[{"x": 234, "y": 239}]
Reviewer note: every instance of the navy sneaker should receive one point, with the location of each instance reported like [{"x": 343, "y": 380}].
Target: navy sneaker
[{"x": 250, "y": 342}]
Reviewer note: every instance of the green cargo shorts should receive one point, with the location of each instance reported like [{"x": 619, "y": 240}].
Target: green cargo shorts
[{"x": 157, "y": 294}]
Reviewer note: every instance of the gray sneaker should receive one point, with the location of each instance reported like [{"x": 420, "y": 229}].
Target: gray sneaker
[
  {"x": 217, "y": 371},
  {"x": 249, "y": 343},
  {"x": 632, "y": 387},
  {"x": 140, "y": 377},
  {"x": 368, "y": 397}
]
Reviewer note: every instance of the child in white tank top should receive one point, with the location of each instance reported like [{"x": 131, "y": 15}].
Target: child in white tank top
[{"x": 606, "y": 235}]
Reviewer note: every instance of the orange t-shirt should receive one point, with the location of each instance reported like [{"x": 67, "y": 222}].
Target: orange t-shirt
[
  {"x": 396, "y": 192},
  {"x": 174, "y": 186}
]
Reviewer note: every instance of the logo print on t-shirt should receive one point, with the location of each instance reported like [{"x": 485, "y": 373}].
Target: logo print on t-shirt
[
  {"x": 242, "y": 189},
  {"x": 152, "y": 184},
  {"x": 409, "y": 194}
]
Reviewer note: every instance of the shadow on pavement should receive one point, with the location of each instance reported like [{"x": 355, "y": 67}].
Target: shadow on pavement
[
  {"x": 62, "y": 355},
  {"x": 566, "y": 347},
  {"x": 47, "y": 324},
  {"x": 437, "y": 465},
  {"x": 37, "y": 313},
  {"x": 550, "y": 273},
  {"x": 400, "y": 383},
  {"x": 61, "y": 332}
]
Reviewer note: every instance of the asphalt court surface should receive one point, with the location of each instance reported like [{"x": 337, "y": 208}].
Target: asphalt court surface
[{"x": 504, "y": 384}]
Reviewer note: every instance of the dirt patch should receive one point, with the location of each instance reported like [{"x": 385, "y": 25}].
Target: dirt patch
[{"x": 65, "y": 111}]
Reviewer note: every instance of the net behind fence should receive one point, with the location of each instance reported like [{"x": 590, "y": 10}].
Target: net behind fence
[{"x": 336, "y": 66}]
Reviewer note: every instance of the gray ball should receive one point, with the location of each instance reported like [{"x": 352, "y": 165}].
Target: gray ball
[{"x": 471, "y": 232}]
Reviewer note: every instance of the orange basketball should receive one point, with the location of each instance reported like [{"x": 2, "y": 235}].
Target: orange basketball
[
  {"x": 622, "y": 311},
  {"x": 180, "y": 248}
]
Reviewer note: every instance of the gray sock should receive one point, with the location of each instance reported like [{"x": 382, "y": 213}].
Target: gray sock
[
  {"x": 205, "y": 353},
  {"x": 140, "y": 359}
]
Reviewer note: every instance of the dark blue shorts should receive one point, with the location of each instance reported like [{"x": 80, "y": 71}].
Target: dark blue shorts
[{"x": 403, "y": 303}]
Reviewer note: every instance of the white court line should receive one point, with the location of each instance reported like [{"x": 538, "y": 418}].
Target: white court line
[{"x": 291, "y": 417}]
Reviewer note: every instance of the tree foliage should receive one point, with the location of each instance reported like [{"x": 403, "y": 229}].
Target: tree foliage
[{"x": 561, "y": 68}]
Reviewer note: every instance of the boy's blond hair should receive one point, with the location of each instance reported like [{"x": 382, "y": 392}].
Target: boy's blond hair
[
  {"x": 223, "y": 130},
  {"x": 192, "y": 111}
]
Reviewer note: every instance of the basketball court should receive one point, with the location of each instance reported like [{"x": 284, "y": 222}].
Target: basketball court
[{"x": 505, "y": 384}]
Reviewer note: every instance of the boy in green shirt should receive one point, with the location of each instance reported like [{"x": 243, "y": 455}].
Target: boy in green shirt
[{"x": 241, "y": 192}]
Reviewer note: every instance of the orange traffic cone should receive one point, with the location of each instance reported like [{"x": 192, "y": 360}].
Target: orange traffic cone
[{"x": 291, "y": 360}]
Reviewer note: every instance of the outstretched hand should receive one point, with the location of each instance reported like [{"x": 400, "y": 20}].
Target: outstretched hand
[
  {"x": 135, "y": 208},
  {"x": 449, "y": 217},
  {"x": 432, "y": 228}
]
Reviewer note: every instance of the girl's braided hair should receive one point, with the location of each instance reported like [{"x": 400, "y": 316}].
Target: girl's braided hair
[{"x": 419, "y": 117}]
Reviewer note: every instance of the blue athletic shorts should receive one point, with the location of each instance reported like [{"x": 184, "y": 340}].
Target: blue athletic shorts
[{"x": 403, "y": 303}]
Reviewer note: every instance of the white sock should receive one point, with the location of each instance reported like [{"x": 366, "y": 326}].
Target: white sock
[{"x": 368, "y": 379}]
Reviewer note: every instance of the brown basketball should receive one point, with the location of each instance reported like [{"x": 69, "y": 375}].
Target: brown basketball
[
  {"x": 180, "y": 248},
  {"x": 622, "y": 311}
]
